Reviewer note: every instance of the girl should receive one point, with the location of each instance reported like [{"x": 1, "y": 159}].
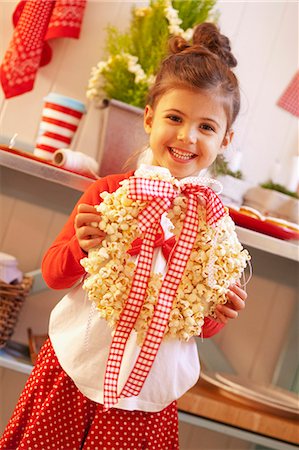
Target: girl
[{"x": 189, "y": 117}]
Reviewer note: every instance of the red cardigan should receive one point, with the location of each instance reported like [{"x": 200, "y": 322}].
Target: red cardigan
[{"x": 61, "y": 266}]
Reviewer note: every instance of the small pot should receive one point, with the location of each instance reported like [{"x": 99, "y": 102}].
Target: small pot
[
  {"x": 272, "y": 203},
  {"x": 233, "y": 189}
]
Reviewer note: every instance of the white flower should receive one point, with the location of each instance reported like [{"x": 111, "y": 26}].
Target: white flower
[
  {"x": 96, "y": 83},
  {"x": 94, "y": 89},
  {"x": 102, "y": 65},
  {"x": 141, "y": 12},
  {"x": 188, "y": 34},
  {"x": 135, "y": 68},
  {"x": 174, "y": 22}
]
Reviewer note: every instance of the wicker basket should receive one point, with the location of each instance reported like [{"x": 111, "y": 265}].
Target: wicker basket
[{"x": 12, "y": 297}]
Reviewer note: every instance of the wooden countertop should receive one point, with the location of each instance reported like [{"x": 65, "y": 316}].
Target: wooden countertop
[{"x": 208, "y": 401}]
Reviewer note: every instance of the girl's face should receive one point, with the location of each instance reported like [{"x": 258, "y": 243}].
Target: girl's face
[{"x": 187, "y": 131}]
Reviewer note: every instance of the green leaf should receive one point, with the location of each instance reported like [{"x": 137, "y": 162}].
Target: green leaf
[
  {"x": 220, "y": 167},
  {"x": 146, "y": 38},
  {"x": 192, "y": 12},
  {"x": 279, "y": 188}
]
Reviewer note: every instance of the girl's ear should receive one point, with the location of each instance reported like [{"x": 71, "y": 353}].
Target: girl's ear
[
  {"x": 227, "y": 140},
  {"x": 148, "y": 119}
]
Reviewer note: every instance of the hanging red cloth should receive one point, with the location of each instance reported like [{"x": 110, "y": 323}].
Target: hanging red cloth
[
  {"x": 290, "y": 97},
  {"x": 36, "y": 21}
]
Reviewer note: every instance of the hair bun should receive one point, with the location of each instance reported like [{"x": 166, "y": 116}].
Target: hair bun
[
  {"x": 177, "y": 44},
  {"x": 208, "y": 35}
]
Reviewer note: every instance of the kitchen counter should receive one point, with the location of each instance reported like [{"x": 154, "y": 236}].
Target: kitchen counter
[{"x": 243, "y": 419}]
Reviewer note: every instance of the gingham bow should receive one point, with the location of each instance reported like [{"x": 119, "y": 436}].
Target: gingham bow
[{"x": 160, "y": 194}]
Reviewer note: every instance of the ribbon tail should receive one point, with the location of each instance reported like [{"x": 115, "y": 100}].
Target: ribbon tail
[
  {"x": 167, "y": 293},
  {"x": 128, "y": 318}
]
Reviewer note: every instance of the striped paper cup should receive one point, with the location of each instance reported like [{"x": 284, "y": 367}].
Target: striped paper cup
[{"x": 60, "y": 119}]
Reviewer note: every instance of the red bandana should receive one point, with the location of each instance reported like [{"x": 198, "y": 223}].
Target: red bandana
[
  {"x": 36, "y": 21},
  {"x": 290, "y": 98},
  {"x": 160, "y": 194}
]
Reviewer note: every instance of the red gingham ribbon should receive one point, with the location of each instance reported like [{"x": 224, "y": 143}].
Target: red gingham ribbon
[{"x": 160, "y": 194}]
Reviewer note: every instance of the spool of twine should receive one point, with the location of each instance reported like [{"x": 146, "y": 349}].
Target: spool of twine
[{"x": 76, "y": 162}]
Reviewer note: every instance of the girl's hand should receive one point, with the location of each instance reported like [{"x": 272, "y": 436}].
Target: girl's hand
[
  {"x": 236, "y": 302},
  {"x": 88, "y": 236}
]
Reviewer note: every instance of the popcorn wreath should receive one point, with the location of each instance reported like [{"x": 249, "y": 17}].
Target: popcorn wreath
[{"x": 111, "y": 269}]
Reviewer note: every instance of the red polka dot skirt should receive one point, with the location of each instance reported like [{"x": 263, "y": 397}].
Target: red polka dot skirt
[{"x": 53, "y": 414}]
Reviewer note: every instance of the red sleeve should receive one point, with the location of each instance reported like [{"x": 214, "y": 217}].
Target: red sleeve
[
  {"x": 61, "y": 266},
  {"x": 210, "y": 327}
]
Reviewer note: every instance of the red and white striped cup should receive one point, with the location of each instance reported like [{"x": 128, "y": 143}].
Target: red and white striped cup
[{"x": 60, "y": 119}]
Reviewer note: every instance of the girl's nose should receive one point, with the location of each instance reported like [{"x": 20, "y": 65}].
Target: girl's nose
[{"x": 187, "y": 135}]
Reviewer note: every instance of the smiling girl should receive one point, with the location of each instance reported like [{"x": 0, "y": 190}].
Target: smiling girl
[
  {"x": 187, "y": 129},
  {"x": 189, "y": 116}
]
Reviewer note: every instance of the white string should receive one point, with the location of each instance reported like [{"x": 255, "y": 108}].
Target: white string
[
  {"x": 245, "y": 282},
  {"x": 94, "y": 174},
  {"x": 13, "y": 140},
  {"x": 201, "y": 335}
]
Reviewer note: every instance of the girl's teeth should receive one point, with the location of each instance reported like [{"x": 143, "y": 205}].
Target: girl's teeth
[{"x": 180, "y": 155}]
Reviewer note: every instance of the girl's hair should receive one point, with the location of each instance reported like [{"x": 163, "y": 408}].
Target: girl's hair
[{"x": 204, "y": 65}]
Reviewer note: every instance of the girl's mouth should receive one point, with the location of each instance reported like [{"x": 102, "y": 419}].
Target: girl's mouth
[{"x": 181, "y": 154}]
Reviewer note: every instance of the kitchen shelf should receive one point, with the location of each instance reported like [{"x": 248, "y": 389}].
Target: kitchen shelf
[
  {"x": 269, "y": 244},
  {"x": 285, "y": 249},
  {"x": 15, "y": 356},
  {"x": 45, "y": 171}
]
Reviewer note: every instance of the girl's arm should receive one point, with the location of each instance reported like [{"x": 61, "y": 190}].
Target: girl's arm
[
  {"x": 236, "y": 302},
  {"x": 61, "y": 266},
  {"x": 210, "y": 327}
]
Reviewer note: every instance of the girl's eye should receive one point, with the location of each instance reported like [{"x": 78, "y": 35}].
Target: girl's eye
[
  {"x": 206, "y": 127},
  {"x": 174, "y": 118}
]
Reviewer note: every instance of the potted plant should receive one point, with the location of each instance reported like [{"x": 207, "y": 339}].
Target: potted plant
[
  {"x": 279, "y": 188},
  {"x": 120, "y": 83},
  {"x": 234, "y": 185},
  {"x": 134, "y": 56},
  {"x": 273, "y": 199}
]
